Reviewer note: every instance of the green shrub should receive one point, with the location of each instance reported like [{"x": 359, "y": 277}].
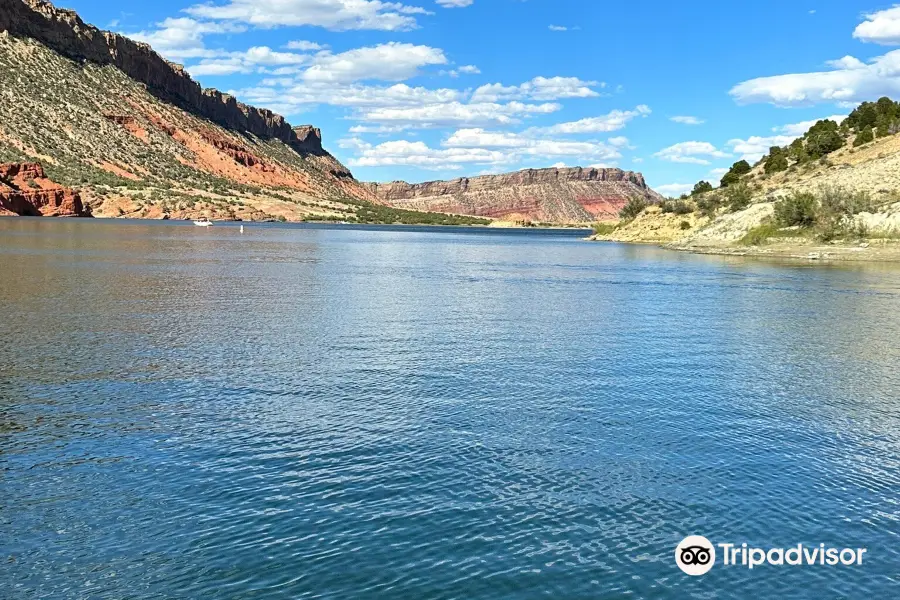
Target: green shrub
[
  {"x": 709, "y": 204},
  {"x": 678, "y": 207},
  {"x": 800, "y": 209},
  {"x": 823, "y": 138},
  {"x": 759, "y": 235},
  {"x": 682, "y": 208},
  {"x": 738, "y": 197},
  {"x": 741, "y": 167},
  {"x": 701, "y": 188},
  {"x": 864, "y": 137},
  {"x": 776, "y": 163},
  {"x": 634, "y": 207},
  {"x": 684, "y": 225},
  {"x": 604, "y": 228}
]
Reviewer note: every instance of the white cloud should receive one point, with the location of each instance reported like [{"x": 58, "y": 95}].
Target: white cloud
[
  {"x": 304, "y": 45},
  {"x": 697, "y": 153},
  {"x": 477, "y": 137},
  {"x": 798, "y": 129},
  {"x": 455, "y": 3},
  {"x": 539, "y": 88},
  {"x": 350, "y": 95},
  {"x": 860, "y": 82},
  {"x": 393, "y": 61},
  {"x": 557, "y": 28},
  {"x": 248, "y": 61},
  {"x": 612, "y": 121},
  {"x": 687, "y": 120},
  {"x": 476, "y": 146},
  {"x": 559, "y": 165},
  {"x": 418, "y": 154},
  {"x": 526, "y": 144},
  {"x": 463, "y": 70},
  {"x": 451, "y": 114},
  {"x": 847, "y": 63},
  {"x": 674, "y": 189},
  {"x": 619, "y": 141},
  {"x": 882, "y": 27},
  {"x": 717, "y": 173},
  {"x": 754, "y": 147},
  {"x": 337, "y": 15},
  {"x": 182, "y": 38}
]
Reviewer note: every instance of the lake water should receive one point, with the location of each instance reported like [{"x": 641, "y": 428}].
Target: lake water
[{"x": 339, "y": 412}]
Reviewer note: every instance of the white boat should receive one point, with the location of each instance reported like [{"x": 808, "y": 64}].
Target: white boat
[{"x": 204, "y": 222}]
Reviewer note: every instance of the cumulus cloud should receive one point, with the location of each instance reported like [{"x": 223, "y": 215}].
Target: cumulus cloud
[
  {"x": 557, "y": 28},
  {"x": 463, "y": 70},
  {"x": 754, "y": 147},
  {"x": 798, "y": 129},
  {"x": 336, "y": 15},
  {"x": 455, "y": 3},
  {"x": 539, "y": 88},
  {"x": 451, "y": 114},
  {"x": 697, "y": 153},
  {"x": 687, "y": 120},
  {"x": 613, "y": 121},
  {"x": 304, "y": 45},
  {"x": 419, "y": 154},
  {"x": 476, "y": 146},
  {"x": 182, "y": 38},
  {"x": 392, "y": 61},
  {"x": 354, "y": 95},
  {"x": 852, "y": 83},
  {"x": 674, "y": 189},
  {"x": 882, "y": 27}
]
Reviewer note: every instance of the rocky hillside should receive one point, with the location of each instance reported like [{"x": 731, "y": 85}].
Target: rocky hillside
[
  {"x": 569, "y": 195},
  {"x": 136, "y": 136},
  {"x": 25, "y": 190},
  {"x": 833, "y": 193}
]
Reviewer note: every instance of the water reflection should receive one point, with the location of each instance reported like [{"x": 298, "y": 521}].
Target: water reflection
[{"x": 309, "y": 412}]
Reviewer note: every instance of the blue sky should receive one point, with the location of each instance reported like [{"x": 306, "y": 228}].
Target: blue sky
[{"x": 433, "y": 89}]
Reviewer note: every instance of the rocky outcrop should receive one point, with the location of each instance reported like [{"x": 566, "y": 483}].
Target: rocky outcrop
[
  {"x": 25, "y": 190},
  {"x": 564, "y": 195},
  {"x": 308, "y": 139},
  {"x": 238, "y": 153},
  {"x": 64, "y": 31}
]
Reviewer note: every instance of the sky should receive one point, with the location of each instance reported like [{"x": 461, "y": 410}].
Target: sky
[{"x": 435, "y": 89}]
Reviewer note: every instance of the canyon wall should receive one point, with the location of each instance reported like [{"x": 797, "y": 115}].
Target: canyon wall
[
  {"x": 64, "y": 31},
  {"x": 564, "y": 195}
]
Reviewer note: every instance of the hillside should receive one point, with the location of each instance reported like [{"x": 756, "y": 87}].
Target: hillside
[
  {"x": 136, "y": 136},
  {"x": 566, "y": 195},
  {"x": 833, "y": 193}
]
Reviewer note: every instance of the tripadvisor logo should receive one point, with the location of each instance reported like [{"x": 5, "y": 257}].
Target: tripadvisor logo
[{"x": 696, "y": 555}]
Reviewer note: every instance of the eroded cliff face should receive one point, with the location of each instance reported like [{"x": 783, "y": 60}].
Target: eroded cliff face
[
  {"x": 25, "y": 190},
  {"x": 64, "y": 31},
  {"x": 569, "y": 195}
]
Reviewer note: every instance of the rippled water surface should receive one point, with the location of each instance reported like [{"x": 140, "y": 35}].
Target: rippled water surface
[{"x": 434, "y": 413}]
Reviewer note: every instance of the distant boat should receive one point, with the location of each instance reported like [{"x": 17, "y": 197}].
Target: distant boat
[{"x": 204, "y": 222}]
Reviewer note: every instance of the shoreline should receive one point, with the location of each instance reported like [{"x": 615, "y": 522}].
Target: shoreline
[{"x": 876, "y": 251}]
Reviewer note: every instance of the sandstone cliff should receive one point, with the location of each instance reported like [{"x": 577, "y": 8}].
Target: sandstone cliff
[
  {"x": 64, "y": 31},
  {"x": 567, "y": 195},
  {"x": 25, "y": 190},
  {"x": 137, "y": 137}
]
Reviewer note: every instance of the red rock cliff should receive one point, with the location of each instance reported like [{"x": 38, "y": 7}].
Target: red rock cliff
[
  {"x": 557, "y": 195},
  {"x": 64, "y": 31},
  {"x": 25, "y": 190}
]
